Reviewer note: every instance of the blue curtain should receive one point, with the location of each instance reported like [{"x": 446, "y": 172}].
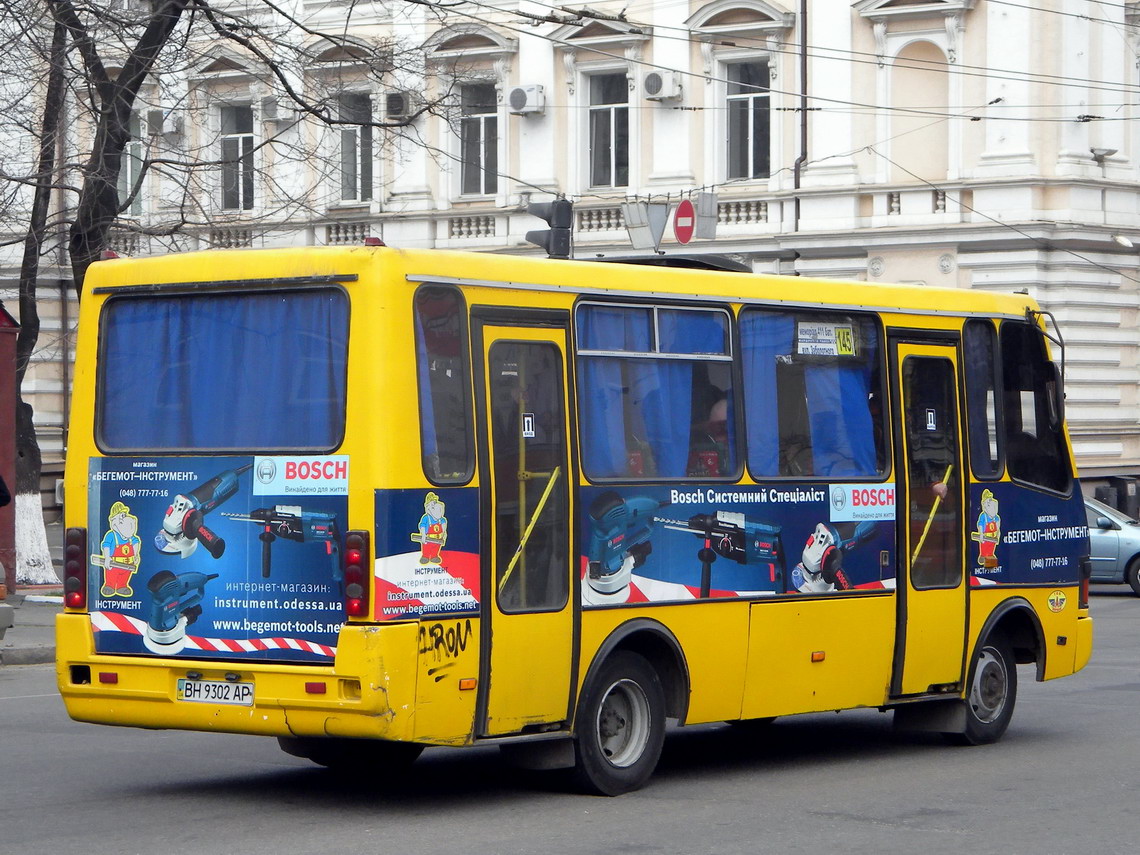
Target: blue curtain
[
  {"x": 250, "y": 371},
  {"x": 842, "y": 432},
  {"x": 659, "y": 392},
  {"x": 763, "y": 337},
  {"x": 842, "y": 428},
  {"x": 604, "y": 429}
]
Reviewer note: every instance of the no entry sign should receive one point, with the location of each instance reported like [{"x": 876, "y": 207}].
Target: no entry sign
[{"x": 684, "y": 221}]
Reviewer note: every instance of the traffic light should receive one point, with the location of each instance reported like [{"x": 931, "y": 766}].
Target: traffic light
[{"x": 556, "y": 239}]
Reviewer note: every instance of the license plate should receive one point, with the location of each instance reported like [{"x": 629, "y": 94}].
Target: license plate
[{"x": 216, "y": 692}]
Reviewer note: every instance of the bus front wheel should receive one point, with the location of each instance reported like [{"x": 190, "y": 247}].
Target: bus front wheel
[
  {"x": 621, "y": 726},
  {"x": 991, "y": 694}
]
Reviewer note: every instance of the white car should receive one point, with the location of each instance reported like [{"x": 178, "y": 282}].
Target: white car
[{"x": 1114, "y": 541}]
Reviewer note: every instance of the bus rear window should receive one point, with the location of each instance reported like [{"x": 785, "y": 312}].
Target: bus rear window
[{"x": 223, "y": 372}]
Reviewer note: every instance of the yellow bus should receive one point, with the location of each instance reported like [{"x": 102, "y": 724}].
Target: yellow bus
[{"x": 367, "y": 500}]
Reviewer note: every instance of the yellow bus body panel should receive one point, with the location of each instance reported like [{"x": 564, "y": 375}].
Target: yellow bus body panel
[
  {"x": 369, "y": 692},
  {"x": 816, "y": 655},
  {"x": 713, "y": 639},
  {"x": 1067, "y": 631}
]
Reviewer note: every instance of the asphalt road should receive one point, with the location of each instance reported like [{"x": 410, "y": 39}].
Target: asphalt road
[{"x": 1061, "y": 781}]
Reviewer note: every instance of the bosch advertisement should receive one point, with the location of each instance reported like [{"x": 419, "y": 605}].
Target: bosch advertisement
[
  {"x": 215, "y": 557},
  {"x": 663, "y": 544}
]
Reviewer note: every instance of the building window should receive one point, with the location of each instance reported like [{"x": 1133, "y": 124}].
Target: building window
[
  {"x": 749, "y": 119},
  {"x": 479, "y": 140},
  {"x": 237, "y": 158},
  {"x": 355, "y": 146},
  {"x": 609, "y": 130},
  {"x": 130, "y": 167}
]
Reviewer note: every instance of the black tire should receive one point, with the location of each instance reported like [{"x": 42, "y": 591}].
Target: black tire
[
  {"x": 1132, "y": 575},
  {"x": 352, "y": 755},
  {"x": 990, "y": 695},
  {"x": 620, "y": 726}
]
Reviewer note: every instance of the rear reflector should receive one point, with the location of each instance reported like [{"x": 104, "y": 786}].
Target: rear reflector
[{"x": 316, "y": 688}]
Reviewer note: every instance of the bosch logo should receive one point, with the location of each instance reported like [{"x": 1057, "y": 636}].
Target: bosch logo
[
  {"x": 316, "y": 470},
  {"x": 838, "y": 498},
  {"x": 266, "y": 471}
]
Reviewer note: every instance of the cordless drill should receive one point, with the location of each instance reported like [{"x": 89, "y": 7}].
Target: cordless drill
[{"x": 292, "y": 522}]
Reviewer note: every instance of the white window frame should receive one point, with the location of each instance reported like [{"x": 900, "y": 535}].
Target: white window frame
[
  {"x": 247, "y": 142},
  {"x": 481, "y": 121},
  {"x": 612, "y": 109},
  {"x": 749, "y": 142},
  {"x": 362, "y": 139},
  {"x": 130, "y": 166}
]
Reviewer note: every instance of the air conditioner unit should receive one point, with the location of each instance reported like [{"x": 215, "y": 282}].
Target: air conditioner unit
[
  {"x": 662, "y": 85},
  {"x": 272, "y": 111},
  {"x": 527, "y": 99},
  {"x": 398, "y": 105},
  {"x": 166, "y": 124}
]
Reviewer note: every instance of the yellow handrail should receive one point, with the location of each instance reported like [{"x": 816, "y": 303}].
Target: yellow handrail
[
  {"x": 530, "y": 526},
  {"x": 933, "y": 511}
]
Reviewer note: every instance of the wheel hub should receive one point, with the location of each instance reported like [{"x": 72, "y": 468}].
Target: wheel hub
[{"x": 990, "y": 688}]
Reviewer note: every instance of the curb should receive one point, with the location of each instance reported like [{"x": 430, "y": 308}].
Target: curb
[{"x": 27, "y": 656}]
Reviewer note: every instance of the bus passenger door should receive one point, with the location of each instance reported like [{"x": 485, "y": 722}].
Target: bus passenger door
[
  {"x": 931, "y": 638},
  {"x": 526, "y": 495}
]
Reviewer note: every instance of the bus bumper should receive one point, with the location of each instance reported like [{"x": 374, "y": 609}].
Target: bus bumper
[
  {"x": 342, "y": 699},
  {"x": 1084, "y": 642}
]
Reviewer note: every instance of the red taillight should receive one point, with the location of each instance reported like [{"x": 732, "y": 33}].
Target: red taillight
[
  {"x": 357, "y": 579},
  {"x": 1086, "y": 573},
  {"x": 75, "y": 568}
]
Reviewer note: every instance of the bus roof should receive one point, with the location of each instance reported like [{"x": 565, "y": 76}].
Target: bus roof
[{"x": 592, "y": 278}]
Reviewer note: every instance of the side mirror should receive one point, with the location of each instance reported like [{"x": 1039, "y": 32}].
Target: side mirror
[{"x": 1105, "y": 523}]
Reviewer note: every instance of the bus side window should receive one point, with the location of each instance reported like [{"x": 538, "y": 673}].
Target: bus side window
[
  {"x": 655, "y": 390},
  {"x": 980, "y": 346},
  {"x": 1035, "y": 448},
  {"x": 443, "y": 372},
  {"x": 813, "y": 393}
]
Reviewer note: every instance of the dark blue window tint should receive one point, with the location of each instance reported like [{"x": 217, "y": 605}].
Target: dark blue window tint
[{"x": 258, "y": 371}]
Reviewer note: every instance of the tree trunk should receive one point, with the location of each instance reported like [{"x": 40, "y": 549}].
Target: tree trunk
[{"x": 33, "y": 559}]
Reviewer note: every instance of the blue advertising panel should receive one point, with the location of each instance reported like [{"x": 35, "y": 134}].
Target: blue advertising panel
[
  {"x": 217, "y": 557},
  {"x": 1025, "y": 537},
  {"x": 427, "y": 552},
  {"x": 669, "y": 544}
]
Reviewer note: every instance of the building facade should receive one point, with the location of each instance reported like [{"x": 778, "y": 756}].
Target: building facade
[{"x": 962, "y": 143}]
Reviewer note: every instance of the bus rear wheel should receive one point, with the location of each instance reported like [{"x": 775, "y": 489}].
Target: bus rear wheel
[
  {"x": 621, "y": 726},
  {"x": 991, "y": 694},
  {"x": 364, "y": 755}
]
